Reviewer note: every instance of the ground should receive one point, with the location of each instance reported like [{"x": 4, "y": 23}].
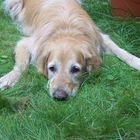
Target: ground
[{"x": 107, "y": 106}]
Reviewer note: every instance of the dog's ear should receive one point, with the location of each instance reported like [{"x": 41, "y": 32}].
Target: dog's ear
[
  {"x": 42, "y": 63},
  {"x": 92, "y": 61}
]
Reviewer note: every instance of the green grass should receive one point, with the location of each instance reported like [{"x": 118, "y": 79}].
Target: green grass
[{"x": 107, "y": 106}]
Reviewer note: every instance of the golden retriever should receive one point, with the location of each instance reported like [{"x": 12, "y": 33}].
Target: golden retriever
[{"x": 61, "y": 40}]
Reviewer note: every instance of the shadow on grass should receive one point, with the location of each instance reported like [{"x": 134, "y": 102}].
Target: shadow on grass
[{"x": 14, "y": 104}]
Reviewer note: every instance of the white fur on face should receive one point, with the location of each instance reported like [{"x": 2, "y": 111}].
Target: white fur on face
[{"x": 65, "y": 69}]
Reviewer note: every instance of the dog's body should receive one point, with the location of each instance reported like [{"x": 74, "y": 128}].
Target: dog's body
[{"x": 61, "y": 40}]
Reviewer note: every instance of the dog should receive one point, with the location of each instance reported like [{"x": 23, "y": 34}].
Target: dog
[{"x": 62, "y": 41}]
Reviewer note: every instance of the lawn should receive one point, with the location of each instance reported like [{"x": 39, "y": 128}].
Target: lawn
[{"x": 107, "y": 106}]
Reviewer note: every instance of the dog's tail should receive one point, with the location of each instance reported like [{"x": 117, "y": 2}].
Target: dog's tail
[{"x": 125, "y": 56}]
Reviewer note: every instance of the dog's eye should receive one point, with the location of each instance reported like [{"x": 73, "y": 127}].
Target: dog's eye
[
  {"x": 75, "y": 69},
  {"x": 52, "y": 69}
]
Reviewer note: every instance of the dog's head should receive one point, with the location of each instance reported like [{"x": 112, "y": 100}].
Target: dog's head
[{"x": 63, "y": 61}]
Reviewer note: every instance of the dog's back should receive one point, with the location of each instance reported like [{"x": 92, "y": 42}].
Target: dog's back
[{"x": 31, "y": 15}]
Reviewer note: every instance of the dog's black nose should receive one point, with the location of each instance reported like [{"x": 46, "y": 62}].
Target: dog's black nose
[{"x": 60, "y": 95}]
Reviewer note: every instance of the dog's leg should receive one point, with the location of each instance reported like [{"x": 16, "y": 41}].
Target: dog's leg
[
  {"x": 22, "y": 60},
  {"x": 125, "y": 56}
]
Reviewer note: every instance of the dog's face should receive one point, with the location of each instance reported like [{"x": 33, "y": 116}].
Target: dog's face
[{"x": 64, "y": 63}]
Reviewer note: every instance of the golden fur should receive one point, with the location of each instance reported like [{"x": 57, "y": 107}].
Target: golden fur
[{"x": 61, "y": 40}]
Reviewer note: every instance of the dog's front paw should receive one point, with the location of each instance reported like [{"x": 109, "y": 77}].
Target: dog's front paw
[
  {"x": 9, "y": 80},
  {"x": 13, "y": 7}
]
